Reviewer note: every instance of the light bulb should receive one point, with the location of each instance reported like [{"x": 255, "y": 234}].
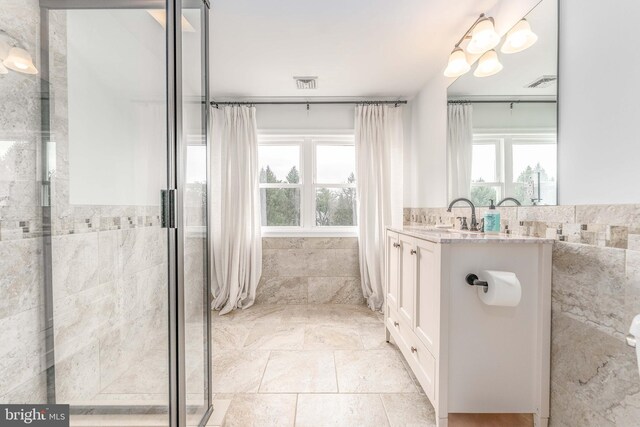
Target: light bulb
[
  {"x": 483, "y": 37},
  {"x": 20, "y": 60},
  {"x": 519, "y": 38},
  {"x": 458, "y": 64},
  {"x": 488, "y": 65}
]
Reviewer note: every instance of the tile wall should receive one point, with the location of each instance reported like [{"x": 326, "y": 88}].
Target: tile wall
[
  {"x": 310, "y": 270},
  {"x": 595, "y": 294}
]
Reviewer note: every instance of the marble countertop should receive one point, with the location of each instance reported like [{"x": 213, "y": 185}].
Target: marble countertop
[{"x": 435, "y": 235}]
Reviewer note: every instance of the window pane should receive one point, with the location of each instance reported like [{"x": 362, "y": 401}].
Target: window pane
[
  {"x": 481, "y": 195},
  {"x": 335, "y": 164},
  {"x": 483, "y": 166},
  {"x": 280, "y": 206},
  {"x": 534, "y": 172},
  {"x": 336, "y": 207},
  {"x": 279, "y": 163}
]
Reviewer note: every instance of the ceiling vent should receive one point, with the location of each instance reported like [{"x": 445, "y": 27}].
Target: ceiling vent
[
  {"x": 306, "y": 82},
  {"x": 542, "y": 82}
]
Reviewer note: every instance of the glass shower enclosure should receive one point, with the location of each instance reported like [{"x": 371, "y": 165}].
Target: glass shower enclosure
[{"x": 103, "y": 217}]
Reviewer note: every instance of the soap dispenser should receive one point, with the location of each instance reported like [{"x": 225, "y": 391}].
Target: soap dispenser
[{"x": 492, "y": 220}]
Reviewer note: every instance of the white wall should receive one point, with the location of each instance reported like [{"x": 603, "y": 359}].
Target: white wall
[
  {"x": 425, "y": 171},
  {"x": 296, "y": 117},
  {"x": 598, "y": 139},
  {"x": 117, "y": 119},
  {"x": 522, "y": 116}
]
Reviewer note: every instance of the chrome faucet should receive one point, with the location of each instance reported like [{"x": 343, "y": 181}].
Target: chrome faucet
[
  {"x": 513, "y": 199},
  {"x": 474, "y": 222}
]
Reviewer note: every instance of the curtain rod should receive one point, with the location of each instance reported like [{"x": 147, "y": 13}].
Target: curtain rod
[
  {"x": 486, "y": 101},
  {"x": 215, "y": 103}
]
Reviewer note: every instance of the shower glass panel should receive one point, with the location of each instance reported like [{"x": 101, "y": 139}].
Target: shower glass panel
[
  {"x": 196, "y": 289},
  {"x": 88, "y": 279},
  {"x": 109, "y": 254}
]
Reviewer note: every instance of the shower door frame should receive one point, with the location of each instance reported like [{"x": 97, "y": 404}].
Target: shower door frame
[{"x": 175, "y": 181}]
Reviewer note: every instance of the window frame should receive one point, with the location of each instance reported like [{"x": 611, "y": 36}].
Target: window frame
[
  {"x": 308, "y": 185},
  {"x": 504, "y": 154}
]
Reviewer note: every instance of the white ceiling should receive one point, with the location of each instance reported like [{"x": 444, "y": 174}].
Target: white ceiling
[
  {"x": 520, "y": 69},
  {"x": 358, "y": 48}
]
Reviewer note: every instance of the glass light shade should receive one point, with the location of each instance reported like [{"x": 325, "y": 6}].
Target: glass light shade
[
  {"x": 19, "y": 60},
  {"x": 519, "y": 38},
  {"x": 488, "y": 65},
  {"x": 458, "y": 64},
  {"x": 483, "y": 37}
]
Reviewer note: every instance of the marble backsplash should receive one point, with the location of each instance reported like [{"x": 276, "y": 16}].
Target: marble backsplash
[
  {"x": 310, "y": 270},
  {"x": 595, "y": 294}
]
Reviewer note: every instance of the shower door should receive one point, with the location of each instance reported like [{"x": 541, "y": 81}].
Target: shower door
[{"x": 109, "y": 312}]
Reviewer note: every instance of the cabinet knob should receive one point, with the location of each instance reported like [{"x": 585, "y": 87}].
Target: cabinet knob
[
  {"x": 413, "y": 252},
  {"x": 396, "y": 324},
  {"x": 414, "y": 350},
  {"x": 396, "y": 245}
]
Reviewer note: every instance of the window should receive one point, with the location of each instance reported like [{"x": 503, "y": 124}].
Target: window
[
  {"x": 518, "y": 165},
  {"x": 307, "y": 184}
]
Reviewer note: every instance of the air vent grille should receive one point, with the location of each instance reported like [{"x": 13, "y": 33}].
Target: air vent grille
[
  {"x": 306, "y": 82},
  {"x": 542, "y": 82}
]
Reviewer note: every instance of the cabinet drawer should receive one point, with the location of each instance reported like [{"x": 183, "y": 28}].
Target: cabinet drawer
[{"x": 426, "y": 372}]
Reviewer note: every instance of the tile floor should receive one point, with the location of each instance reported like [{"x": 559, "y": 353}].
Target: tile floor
[{"x": 313, "y": 365}]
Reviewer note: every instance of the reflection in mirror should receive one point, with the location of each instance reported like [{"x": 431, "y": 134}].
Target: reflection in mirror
[{"x": 502, "y": 129}]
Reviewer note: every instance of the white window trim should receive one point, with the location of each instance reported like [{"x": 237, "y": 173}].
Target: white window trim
[
  {"x": 504, "y": 154},
  {"x": 307, "y": 143}
]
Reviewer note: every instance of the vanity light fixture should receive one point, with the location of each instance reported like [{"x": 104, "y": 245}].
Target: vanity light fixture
[
  {"x": 519, "y": 38},
  {"x": 483, "y": 37},
  {"x": 14, "y": 58},
  {"x": 488, "y": 65},
  {"x": 458, "y": 64}
]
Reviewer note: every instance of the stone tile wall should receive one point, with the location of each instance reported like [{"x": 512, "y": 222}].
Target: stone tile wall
[
  {"x": 595, "y": 294},
  {"x": 310, "y": 270}
]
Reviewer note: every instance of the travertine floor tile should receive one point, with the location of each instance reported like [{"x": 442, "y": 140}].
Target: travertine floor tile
[
  {"x": 299, "y": 372},
  {"x": 340, "y": 410},
  {"x": 372, "y": 371},
  {"x": 409, "y": 409},
  {"x": 238, "y": 371},
  {"x": 277, "y": 410}
]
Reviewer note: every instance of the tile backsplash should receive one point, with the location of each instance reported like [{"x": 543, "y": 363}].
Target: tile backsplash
[{"x": 612, "y": 226}]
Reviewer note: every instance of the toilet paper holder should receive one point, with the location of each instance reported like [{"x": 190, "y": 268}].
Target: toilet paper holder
[{"x": 473, "y": 280}]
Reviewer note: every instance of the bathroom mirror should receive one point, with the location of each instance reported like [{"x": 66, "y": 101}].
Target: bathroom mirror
[{"x": 502, "y": 129}]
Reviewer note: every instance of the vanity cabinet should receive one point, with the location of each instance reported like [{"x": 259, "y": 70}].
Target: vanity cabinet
[{"x": 470, "y": 357}]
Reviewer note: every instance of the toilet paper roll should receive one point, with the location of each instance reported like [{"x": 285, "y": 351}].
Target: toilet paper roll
[{"x": 504, "y": 288}]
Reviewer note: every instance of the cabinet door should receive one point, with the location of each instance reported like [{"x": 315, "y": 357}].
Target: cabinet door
[
  {"x": 393, "y": 269},
  {"x": 406, "y": 299},
  {"x": 428, "y": 294}
]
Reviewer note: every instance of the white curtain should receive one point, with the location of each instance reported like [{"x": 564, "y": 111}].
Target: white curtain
[
  {"x": 379, "y": 141},
  {"x": 459, "y": 149},
  {"x": 236, "y": 255}
]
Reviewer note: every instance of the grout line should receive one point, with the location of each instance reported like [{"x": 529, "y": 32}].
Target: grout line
[
  {"x": 295, "y": 411},
  {"x": 335, "y": 370},
  {"x": 384, "y": 408},
  {"x": 263, "y": 372}
]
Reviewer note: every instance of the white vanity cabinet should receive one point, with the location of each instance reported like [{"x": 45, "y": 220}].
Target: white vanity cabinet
[{"x": 470, "y": 357}]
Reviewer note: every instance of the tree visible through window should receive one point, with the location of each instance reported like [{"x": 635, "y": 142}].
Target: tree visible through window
[{"x": 308, "y": 183}]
